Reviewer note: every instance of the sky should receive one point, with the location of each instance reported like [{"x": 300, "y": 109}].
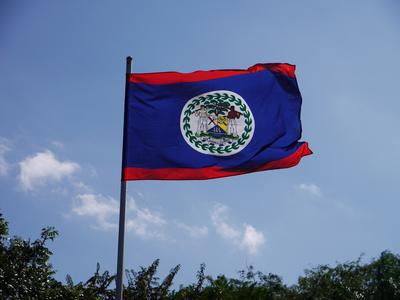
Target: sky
[{"x": 62, "y": 66}]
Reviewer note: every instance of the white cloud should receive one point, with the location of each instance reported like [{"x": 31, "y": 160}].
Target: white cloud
[
  {"x": 81, "y": 187},
  {"x": 311, "y": 188},
  {"x": 252, "y": 239},
  {"x": 144, "y": 222},
  {"x": 103, "y": 209},
  {"x": 193, "y": 231},
  {"x": 248, "y": 239},
  {"x": 44, "y": 167},
  {"x": 218, "y": 217},
  {"x": 4, "y": 166}
]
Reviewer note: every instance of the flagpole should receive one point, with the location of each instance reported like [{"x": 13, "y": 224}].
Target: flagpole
[{"x": 121, "y": 233}]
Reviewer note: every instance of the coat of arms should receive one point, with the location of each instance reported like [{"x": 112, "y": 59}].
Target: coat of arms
[{"x": 217, "y": 123}]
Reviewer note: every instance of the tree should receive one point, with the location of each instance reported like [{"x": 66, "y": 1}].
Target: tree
[
  {"x": 250, "y": 285},
  {"x": 144, "y": 285},
  {"x": 378, "y": 280},
  {"x": 192, "y": 291},
  {"x": 96, "y": 287},
  {"x": 383, "y": 277},
  {"x": 25, "y": 271}
]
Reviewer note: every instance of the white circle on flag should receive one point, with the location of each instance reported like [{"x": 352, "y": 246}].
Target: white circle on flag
[{"x": 217, "y": 123}]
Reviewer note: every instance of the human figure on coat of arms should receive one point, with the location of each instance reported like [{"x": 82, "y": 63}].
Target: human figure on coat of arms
[
  {"x": 232, "y": 124},
  {"x": 203, "y": 116}
]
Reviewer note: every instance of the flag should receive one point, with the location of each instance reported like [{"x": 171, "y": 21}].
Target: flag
[{"x": 211, "y": 124}]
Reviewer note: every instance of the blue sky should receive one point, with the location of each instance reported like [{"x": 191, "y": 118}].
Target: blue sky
[{"x": 62, "y": 69}]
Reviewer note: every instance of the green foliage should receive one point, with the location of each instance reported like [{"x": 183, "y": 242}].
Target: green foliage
[
  {"x": 25, "y": 273},
  {"x": 144, "y": 285},
  {"x": 250, "y": 285},
  {"x": 353, "y": 280},
  {"x": 96, "y": 287}
]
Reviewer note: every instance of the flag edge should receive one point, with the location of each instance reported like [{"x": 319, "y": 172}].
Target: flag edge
[
  {"x": 159, "y": 78},
  {"x": 130, "y": 174}
]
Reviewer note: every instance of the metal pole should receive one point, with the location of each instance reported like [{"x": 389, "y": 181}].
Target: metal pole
[
  {"x": 121, "y": 233},
  {"x": 121, "y": 237}
]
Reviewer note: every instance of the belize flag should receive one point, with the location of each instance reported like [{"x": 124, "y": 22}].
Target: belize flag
[{"x": 211, "y": 124}]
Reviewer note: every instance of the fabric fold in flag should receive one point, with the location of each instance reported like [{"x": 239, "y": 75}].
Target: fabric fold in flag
[{"x": 212, "y": 124}]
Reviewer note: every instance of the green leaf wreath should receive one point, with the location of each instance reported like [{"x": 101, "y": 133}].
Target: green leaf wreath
[{"x": 217, "y": 103}]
